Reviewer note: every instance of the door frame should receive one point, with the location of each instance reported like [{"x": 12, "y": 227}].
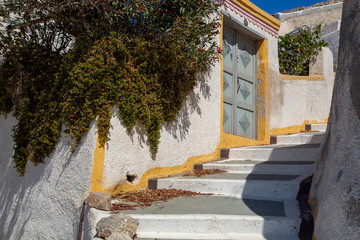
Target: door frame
[
  {"x": 239, "y": 76},
  {"x": 260, "y": 78}
]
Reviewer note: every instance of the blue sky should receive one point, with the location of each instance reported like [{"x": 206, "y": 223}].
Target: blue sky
[{"x": 274, "y": 6}]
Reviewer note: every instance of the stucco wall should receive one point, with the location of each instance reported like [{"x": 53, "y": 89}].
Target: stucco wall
[
  {"x": 324, "y": 15},
  {"x": 302, "y": 99},
  {"x": 46, "y": 202},
  {"x": 276, "y": 91},
  {"x": 335, "y": 189},
  {"x": 196, "y": 132}
]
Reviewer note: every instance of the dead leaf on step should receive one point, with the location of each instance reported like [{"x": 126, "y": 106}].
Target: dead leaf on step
[
  {"x": 122, "y": 206},
  {"x": 201, "y": 173},
  {"x": 147, "y": 197}
]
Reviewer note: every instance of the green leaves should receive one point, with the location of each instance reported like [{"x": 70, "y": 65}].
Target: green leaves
[
  {"x": 140, "y": 56},
  {"x": 296, "y": 51}
]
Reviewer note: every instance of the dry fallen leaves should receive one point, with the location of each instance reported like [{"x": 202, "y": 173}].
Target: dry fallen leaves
[
  {"x": 201, "y": 173},
  {"x": 147, "y": 197},
  {"x": 123, "y": 206}
]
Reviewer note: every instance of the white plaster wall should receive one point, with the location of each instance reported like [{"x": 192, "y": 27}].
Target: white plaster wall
[
  {"x": 46, "y": 202},
  {"x": 302, "y": 100},
  {"x": 196, "y": 132},
  {"x": 276, "y": 90},
  {"x": 324, "y": 15}
]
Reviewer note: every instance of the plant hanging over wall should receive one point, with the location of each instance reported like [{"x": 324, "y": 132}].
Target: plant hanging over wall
[
  {"x": 296, "y": 51},
  {"x": 69, "y": 62}
]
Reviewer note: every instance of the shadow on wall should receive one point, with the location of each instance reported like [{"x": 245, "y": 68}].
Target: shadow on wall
[
  {"x": 15, "y": 190},
  {"x": 272, "y": 188},
  {"x": 48, "y": 198},
  {"x": 179, "y": 129}
]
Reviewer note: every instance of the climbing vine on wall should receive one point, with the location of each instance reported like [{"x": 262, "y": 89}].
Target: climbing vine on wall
[
  {"x": 70, "y": 62},
  {"x": 296, "y": 51}
]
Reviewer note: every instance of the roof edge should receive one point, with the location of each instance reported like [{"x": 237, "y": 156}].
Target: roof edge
[{"x": 258, "y": 12}]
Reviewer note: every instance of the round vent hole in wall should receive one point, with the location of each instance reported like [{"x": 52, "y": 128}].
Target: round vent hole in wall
[{"x": 130, "y": 177}]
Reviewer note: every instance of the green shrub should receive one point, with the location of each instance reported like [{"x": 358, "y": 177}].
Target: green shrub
[
  {"x": 296, "y": 51},
  {"x": 70, "y": 62}
]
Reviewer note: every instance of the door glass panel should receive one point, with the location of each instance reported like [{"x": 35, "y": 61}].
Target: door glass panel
[
  {"x": 228, "y": 86},
  {"x": 227, "y": 121},
  {"x": 245, "y": 59},
  {"x": 244, "y": 92},
  {"x": 228, "y": 48},
  {"x": 244, "y": 123}
]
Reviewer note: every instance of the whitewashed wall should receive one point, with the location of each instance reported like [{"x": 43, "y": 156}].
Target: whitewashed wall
[
  {"x": 46, "y": 202},
  {"x": 300, "y": 100},
  {"x": 196, "y": 132},
  {"x": 324, "y": 15}
]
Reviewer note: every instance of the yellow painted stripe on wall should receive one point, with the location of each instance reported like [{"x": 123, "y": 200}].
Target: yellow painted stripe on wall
[
  {"x": 302, "y": 78},
  {"x": 161, "y": 172},
  {"x": 287, "y": 130},
  {"x": 98, "y": 167},
  {"x": 263, "y": 90}
]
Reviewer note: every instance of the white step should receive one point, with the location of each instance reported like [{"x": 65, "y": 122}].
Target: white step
[
  {"x": 276, "y": 153},
  {"x": 182, "y": 236},
  {"x": 212, "y": 236},
  {"x": 209, "y": 217},
  {"x": 201, "y": 226},
  {"x": 319, "y": 127},
  {"x": 262, "y": 167},
  {"x": 256, "y": 189},
  {"x": 255, "y": 200},
  {"x": 300, "y": 138}
]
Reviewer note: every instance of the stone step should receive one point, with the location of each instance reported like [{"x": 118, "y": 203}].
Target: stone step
[
  {"x": 278, "y": 152},
  {"x": 194, "y": 226},
  {"x": 212, "y": 236},
  {"x": 260, "y": 167},
  {"x": 299, "y": 138},
  {"x": 218, "y": 217},
  {"x": 257, "y": 186},
  {"x": 210, "y": 217},
  {"x": 180, "y": 236},
  {"x": 316, "y": 127},
  {"x": 254, "y": 200}
]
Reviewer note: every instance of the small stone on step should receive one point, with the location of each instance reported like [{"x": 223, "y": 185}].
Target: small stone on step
[
  {"x": 99, "y": 200},
  {"x": 119, "y": 224}
]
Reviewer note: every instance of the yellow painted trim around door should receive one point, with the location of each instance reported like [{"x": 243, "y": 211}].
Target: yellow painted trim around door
[{"x": 262, "y": 100}]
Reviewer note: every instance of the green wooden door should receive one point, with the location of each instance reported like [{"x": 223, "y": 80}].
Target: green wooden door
[{"x": 239, "y": 90}]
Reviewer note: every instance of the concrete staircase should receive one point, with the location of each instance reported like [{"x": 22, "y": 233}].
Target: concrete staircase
[{"x": 254, "y": 200}]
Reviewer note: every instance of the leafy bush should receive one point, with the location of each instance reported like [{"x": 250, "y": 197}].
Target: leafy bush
[
  {"x": 296, "y": 51},
  {"x": 69, "y": 62}
]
